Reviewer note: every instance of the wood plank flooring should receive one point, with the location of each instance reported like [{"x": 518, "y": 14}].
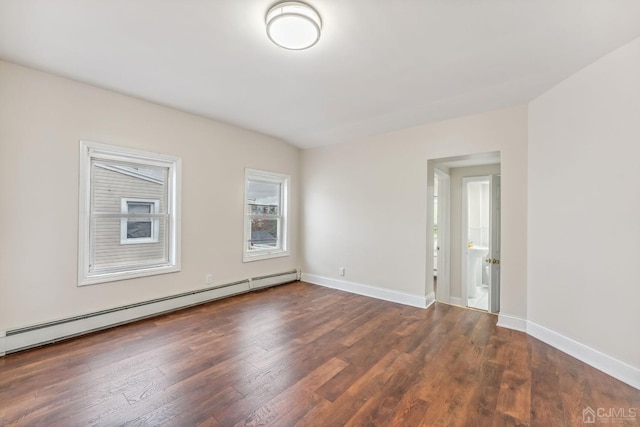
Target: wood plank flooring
[{"x": 300, "y": 354}]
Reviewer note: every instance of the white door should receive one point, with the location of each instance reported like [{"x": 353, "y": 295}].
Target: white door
[{"x": 493, "y": 258}]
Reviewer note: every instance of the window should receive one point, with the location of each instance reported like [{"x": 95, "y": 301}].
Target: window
[
  {"x": 129, "y": 213},
  {"x": 140, "y": 229},
  {"x": 265, "y": 219}
]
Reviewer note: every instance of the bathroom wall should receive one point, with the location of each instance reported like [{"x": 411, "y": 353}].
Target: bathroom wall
[
  {"x": 478, "y": 211},
  {"x": 458, "y": 235}
]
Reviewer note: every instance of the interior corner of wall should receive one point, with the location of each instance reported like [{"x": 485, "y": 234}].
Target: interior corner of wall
[
  {"x": 429, "y": 299},
  {"x": 516, "y": 323}
]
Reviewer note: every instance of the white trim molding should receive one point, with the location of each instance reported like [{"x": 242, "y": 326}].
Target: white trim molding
[
  {"x": 595, "y": 358},
  {"x": 255, "y": 253},
  {"x": 88, "y": 273},
  {"x": 419, "y": 301},
  {"x": 607, "y": 364},
  {"x": 516, "y": 323}
]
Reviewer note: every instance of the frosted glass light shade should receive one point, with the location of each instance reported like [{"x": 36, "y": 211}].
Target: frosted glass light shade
[{"x": 293, "y": 25}]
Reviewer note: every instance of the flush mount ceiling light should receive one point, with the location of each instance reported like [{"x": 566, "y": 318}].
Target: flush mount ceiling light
[{"x": 293, "y": 25}]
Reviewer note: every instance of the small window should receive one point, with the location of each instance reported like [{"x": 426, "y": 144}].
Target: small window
[
  {"x": 265, "y": 219},
  {"x": 138, "y": 227},
  {"x": 129, "y": 214}
]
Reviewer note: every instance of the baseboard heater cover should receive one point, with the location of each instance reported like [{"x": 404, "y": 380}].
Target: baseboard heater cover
[
  {"x": 45, "y": 333},
  {"x": 273, "y": 279}
]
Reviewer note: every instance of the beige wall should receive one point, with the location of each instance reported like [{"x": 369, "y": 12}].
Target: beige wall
[
  {"x": 584, "y": 204},
  {"x": 365, "y": 204},
  {"x": 42, "y": 119},
  {"x": 456, "y": 175}
]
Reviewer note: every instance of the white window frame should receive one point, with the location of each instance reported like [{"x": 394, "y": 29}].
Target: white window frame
[
  {"x": 283, "y": 231},
  {"x": 155, "y": 222},
  {"x": 93, "y": 150}
]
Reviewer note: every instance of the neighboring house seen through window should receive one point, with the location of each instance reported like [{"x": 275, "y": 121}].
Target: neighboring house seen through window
[
  {"x": 265, "y": 221},
  {"x": 129, "y": 213}
]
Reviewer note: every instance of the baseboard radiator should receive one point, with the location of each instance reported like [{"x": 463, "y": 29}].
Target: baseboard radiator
[
  {"x": 273, "y": 279},
  {"x": 32, "y": 336}
]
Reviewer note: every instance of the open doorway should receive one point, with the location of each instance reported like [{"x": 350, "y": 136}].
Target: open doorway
[
  {"x": 481, "y": 236},
  {"x": 455, "y": 240}
]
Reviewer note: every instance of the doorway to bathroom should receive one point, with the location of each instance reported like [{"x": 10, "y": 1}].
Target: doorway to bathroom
[
  {"x": 481, "y": 242},
  {"x": 457, "y": 240}
]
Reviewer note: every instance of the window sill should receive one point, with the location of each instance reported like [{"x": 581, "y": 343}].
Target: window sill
[
  {"x": 248, "y": 257},
  {"x": 125, "y": 275},
  {"x": 138, "y": 241}
]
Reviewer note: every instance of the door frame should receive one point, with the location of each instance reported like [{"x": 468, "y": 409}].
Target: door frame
[
  {"x": 444, "y": 235},
  {"x": 448, "y": 163},
  {"x": 495, "y": 242}
]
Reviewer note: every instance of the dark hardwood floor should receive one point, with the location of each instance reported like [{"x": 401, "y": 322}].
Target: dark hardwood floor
[{"x": 300, "y": 354}]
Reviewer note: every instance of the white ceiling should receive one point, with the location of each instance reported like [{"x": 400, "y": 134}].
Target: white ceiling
[{"x": 379, "y": 65}]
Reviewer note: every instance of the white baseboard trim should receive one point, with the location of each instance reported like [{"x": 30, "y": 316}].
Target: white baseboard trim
[
  {"x": 430, "y": 299},
  {"x": 371, "y": 291},
  {"x": 512, "y": 322},
  {"x": 607, "y": 364},
  {"x": 456, "y": 301},
  {"x": 23, "y": 338}
]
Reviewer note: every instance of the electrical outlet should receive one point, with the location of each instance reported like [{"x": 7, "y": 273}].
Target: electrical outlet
[
  {"x": 341, "y": 271},
  {"x": 208, "y": 278}
]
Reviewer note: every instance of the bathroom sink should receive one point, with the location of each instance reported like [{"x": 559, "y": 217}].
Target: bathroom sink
[{"x": 478, "y": 250}]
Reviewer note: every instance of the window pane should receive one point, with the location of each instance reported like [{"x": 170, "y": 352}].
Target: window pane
[
  {"x": 139, "y": 229},
  {"x": 129, "y": 224},
  {"x": 139, "y": 207},
  {"x": 263, "y": 198},
  {"x": 265, "y": 213},
  {"x": 264, "y": 233},
  {"x": 109, "y": 253},
  {"x": 113, "y": 181}
]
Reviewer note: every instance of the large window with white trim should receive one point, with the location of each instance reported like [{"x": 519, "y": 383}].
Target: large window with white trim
[
  {"x": 129, "y": 213},
  {"x": 265, "y": 219}
]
